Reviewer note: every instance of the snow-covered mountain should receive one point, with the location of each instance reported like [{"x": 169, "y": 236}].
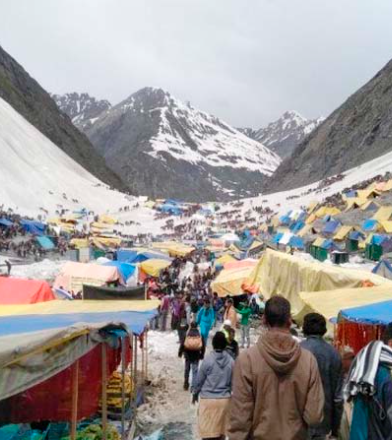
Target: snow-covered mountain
[
  {"x": 283, "y": 135},
  {"x": 35, "y": 173},
  {"x": 162, "y": 147},
  {"x": 82, "y": 108}
]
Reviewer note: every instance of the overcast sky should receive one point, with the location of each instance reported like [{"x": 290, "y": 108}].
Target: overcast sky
[{"x": 246, "y": 61}]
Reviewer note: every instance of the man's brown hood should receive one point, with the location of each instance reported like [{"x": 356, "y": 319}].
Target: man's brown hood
[{"x": 280, "y": 351}]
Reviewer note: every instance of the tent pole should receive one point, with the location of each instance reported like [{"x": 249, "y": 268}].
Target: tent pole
[
  {"x": 146, "y": 354},
  {"x": 122, "y": 388},
  {"x": 143, "y": 359},
  {"x": 136, "y": 378},
  {"x": 104, "y": 393},
  {"x": 75, "y": 392}
]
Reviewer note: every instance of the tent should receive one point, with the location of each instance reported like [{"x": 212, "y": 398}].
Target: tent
[
  {"x": 249, "y": 262},
  {"x": 307, "y": 229},
  {"x": 154, "y": 267},
  {"x": 73, "y": 275},
  {"x": 22, "y": 291},
  {"x": 331, "y": 226},
  {"x": 355, "y": 203},
  {"x": 343, "y": 232},
  {"x": 370, "y": 205},
  {"x": 285, "y": 239},
  {"x": 173, "y": 248},
  {"x": 296, "y": 242},
  {"x": 282, "y": 274},
  {"x": 330, "y": 302},
  {"x": 5, "y": 222},
  {"x": 379, "y": 313},
  {"x": 226, "y": 258},
  {"x": 126, "y": 270},
  {"x": 384, "y": 269},
  {"x": 229, "y": 282},
  {"x": 370, "y": 225},
  {"x": 386, "y": 226},
  {"x": 327, "y": 210},
  {"x": 45, "y": 242},
  {"x": 383, "y": 214},
  {"x": 33, "y": 227}
]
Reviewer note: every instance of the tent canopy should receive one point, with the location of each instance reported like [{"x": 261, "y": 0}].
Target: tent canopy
[
  {"x": 370, "y": 225},
  {"x": 229, "y": 282},
  {"x": 384, "y": 269},
  {"x": 371, "y": 314},
  {"x": 21, "y": 291},
  {"x": 73, "y": 275},
  {"x": 126, "y": 270},
  {"x": 383, "y": 214},
  {"x": 281, "y": 274},
  {"x": 154, "y": 267},
  {"x": 45, "y": 242},
  {"x": 33, "y": 227},
  {"x": 5, "y": 222},
  {"x": 343, "y": 232}
]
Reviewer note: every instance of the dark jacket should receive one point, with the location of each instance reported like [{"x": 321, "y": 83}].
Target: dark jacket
[
  {"x": 192, "y": 356},
  {"x": 330, "y": 366},
  {"x": 233, "y": 349}
]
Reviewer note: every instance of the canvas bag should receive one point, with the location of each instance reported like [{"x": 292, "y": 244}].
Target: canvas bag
[{"x": 193, "y": 343}]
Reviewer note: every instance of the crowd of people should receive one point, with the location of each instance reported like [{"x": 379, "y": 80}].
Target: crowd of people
[{"x": 292, "y": 384}]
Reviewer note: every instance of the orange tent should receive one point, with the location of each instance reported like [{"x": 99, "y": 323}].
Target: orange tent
[{"x": 22, "y": 291}]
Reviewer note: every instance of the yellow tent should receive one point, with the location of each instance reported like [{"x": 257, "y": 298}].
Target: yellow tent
[
  {"x": 229, "y": 282},
  {"x": 307, "y": 229},
  {"x": 367, "y": 193},
  {"x": 387, "y": 226},
  {"x": 149, "y": 204},
  {"x": 312, "y": 206},
  {"x": 327, "y": 210},
  {"x": 330, "y": 303},
  {"x": 79, "y": 243},
  {"x": 226, "y": 258},
  {"x": 384, "y": 213},
  {"x": 281, "y": 274},
  {"x": 275, "y": 221},
  {"x": 106, "y": 241},
  {"x": 355, "y": 202},
  {"x": 343, "y": 232},
  {"x": 312, "y": 218},
  {"x": 173, "y": 248},
  {"x": 318, "y": 242},
  {"x": 154, "y": 267},
  {"x": 107, "y": 219},
  {"x": 388, "y": 186}
]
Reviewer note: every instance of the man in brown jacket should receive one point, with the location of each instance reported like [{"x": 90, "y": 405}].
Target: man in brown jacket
[{"x": 277, "y": 389}]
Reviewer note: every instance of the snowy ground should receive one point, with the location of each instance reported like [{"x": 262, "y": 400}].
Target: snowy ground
[{"x": 168, "y": 405}]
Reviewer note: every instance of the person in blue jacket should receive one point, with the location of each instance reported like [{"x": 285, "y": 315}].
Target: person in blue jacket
[{"x": 205, "y": 320}]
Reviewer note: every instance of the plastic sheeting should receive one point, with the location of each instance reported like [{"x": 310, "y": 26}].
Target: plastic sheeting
[
  {"x": 126, "y": 270},
  {"x": 74, "y": 275},
  {"x": 154, "y": 267},
  {"x": 229, "y": 282},
  {"x": 281, "y": 274},
  {"x": 33, "y": 227},
  {"x": 374, "y": 314},
  {"x": 20, "y": 291},
  {"x": 5, "y": 222},
  {"x": 384, "y": 269},
  {"x": 45, "y": 242}
]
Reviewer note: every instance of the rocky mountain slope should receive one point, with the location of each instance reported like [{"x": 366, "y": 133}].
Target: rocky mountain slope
[
  {"x": 82, "y": 108},
  {"x": 358, "y": 131},
  {"x": 285, "y": 134},
  {"x": 164, "y": 148},
  {"x": 29, "y": 99}
]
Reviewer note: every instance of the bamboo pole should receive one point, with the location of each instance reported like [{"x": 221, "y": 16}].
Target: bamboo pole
[
  {"x": 75, "y": 392},
  {"x": 104, "y": 394}
]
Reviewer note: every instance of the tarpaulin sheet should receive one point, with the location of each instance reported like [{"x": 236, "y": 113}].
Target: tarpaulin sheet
[
  {"x": 370, "y": 225},
  {"x": 225, "y": 259},
  {"x": 126, "y": 270},
  {"x": 154, "y": 267},
  {"x": 281, "y": 274},
  {"x": 343, "y": 232},
  {"x": 5, "y": 222},
  {"x": 113, "y": 293},
  {"x": 384, "y": 269},
  {"x": 174, "y": 249},
  {"x": 383, "y": 214},
  {"x": 51, "y": 400},
  {"x": 21, "y": 291},
  {"x": 33, "y": 227},
  {"x": 249, "y": 262},
  {"x": 331, "y": 226},
  {"x": 73, "y": 275},
  {"x": 45, "y": 242},
  {"x": 126, "y": 255},
  {"x": 229, "y": 282},
  {"x": 374, "y": 314},
  {"x": 330, "y": 303},
  {"x": 370, "y": 205}
]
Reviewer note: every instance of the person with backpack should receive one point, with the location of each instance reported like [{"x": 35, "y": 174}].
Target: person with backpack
[
  {"x": 206, "y": 319},
  {"x": 192, "y": 350}
]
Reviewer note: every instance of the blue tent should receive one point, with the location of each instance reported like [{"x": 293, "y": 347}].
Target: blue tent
[
  {"x": 384, "y": 269},
  {"x": 296, "y": 227},
  {"x": 356, "y": 235},
  {"x": 45, "y": 242},
  {"x": 369, "y": 225},
  {"x": 126, "y": 255},
  {"x": 378, "y": 239},
  {"x": 33, "y": 227},
  {"x": 126, "y": 270},
  {"x": 285, "y": 219},
  {"x": 18, "y": 324},
  {"x": 171, "y": 209},
  {"x": 373, "y": 314},
  {"x": 277, "y": 237},
  {"x": 144, "y": 256},
  {"x": 297, "y": 242},
  {"x": 350, "y": 194},
  {"x": 328, "y": 244},
  {"x": 5, "y": 222},
  {"x": 331, "y": 226}
]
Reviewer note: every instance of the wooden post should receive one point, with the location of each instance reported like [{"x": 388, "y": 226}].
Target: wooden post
[
  {"x": 122, "y": 388},
  {"x": 104, "y": 394},
  {"x": 75, "y": 392},
  {"x": 146, "y": 344}
]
